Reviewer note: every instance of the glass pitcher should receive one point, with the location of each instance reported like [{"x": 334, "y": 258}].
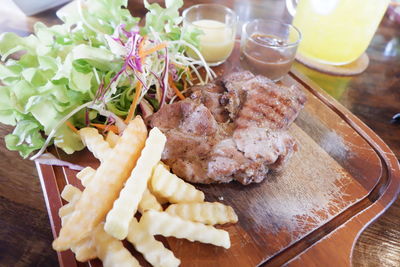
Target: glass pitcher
[{"x": 336, "y": 32}]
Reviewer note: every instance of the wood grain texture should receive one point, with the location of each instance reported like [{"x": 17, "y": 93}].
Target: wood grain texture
[
  {"x": 341, "y": 178},
  {"x": 274, "y": 215},
  {"x": 378, "y": 245},
  {"x": 373, "y": 96},
  {"x": 25, "y": 233},
  {"x": 24, "y": 236}
]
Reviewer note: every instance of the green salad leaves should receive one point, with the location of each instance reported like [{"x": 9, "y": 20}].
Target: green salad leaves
[{"x": 56, "y": 74}]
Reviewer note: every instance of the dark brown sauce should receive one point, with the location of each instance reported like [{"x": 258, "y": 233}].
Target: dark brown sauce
[{"x": 262, "y": 54}]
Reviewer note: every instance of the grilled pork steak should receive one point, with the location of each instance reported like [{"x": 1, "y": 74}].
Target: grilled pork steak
[{"x": 231, "y": 129}]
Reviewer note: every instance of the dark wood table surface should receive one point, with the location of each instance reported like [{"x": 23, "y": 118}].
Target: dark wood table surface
[{"x": 374, "y": 96}]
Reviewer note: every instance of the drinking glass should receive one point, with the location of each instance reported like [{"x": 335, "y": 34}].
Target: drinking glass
[{"x": 336, "y": 32}]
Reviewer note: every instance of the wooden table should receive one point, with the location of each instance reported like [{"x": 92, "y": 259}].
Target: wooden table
[{"x": 374, "y": 96}]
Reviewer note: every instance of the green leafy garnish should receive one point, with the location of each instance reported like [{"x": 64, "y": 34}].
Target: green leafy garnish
[{"x": 87, "y": 69}]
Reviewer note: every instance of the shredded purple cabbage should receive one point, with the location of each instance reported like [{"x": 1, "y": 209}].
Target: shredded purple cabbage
[
  {"x": 173, "y": 71},
  {"x": 131, "y": 41}
]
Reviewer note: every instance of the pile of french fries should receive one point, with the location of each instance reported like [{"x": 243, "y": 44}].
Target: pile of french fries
[{"x": 130, "y": 180}]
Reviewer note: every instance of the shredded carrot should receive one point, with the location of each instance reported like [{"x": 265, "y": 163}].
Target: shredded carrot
[
  {"x": 152, "y": 50},
  {"x": 132, "y": 108},
  {"x": 184, "y": 84},
  {"x": 103, "y": 127},
  {"x": 139, "y": 85},
  {"x": 141, "y": 45},
  {"x": 72, "y": 127},
  {"x": 177, "y": 92},
  {"x": 140, "y": 49}
]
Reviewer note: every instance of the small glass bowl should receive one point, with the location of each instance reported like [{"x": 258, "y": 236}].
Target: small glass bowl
[
  {"x": 268, "y": 47},
  {"x": 217, "y": 24}
]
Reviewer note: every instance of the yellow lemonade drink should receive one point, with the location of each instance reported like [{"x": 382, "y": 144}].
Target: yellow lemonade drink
[{"x": 337, "y": 31}]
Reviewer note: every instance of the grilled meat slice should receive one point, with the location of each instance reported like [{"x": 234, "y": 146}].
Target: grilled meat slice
[
  {"x": 235, "y": 96},
  {"x": 190, "y": 129},
  {"x": 262, "y": 102},
  {"x": 227, "y": 163},
  {"x": 236, "y": 80},
  {"x": 210, "y": 95},
  {"x": 270, "y": 106},
  {"x": 187, "y": 116},
  {"x": 271, "y": 147},
  {"x": 232, "y": 129}
]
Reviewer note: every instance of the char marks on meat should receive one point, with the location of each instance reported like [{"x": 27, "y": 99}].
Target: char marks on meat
[{"x": 231, "y": 129}]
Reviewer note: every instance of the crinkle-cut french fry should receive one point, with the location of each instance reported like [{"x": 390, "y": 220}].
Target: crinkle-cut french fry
[
  {"x": 205, "y": 212},
  {"x": 160, "y": 199},
  {"x": 111, "y": 251},
  {"x": 65, "y": 212},
  {"x": 95, "y": 143},
  {"x": 112, "y": 139},
  {"x": 162, "y": 223},
  {"x": 153, "y": 251},
  {"x": 125, "y": 207},
  {"x": 71, "y": 193},
  {"x": 86, "y": 175},
  {"x": 148, "y": 202},
  {"x": 167, "y": 167},
  {"x": 97, "y": 198},
  {"x": 170, "y": 186},
  {"x": 84, "y": 250}
]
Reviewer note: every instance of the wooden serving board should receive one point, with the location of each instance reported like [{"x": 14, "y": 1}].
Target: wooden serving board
[{"x": 310, "y": 214}]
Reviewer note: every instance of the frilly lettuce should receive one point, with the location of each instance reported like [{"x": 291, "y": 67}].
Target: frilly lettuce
[
  {"x": 60, "y": 68},
  {"x": 159, "y": 17}
]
